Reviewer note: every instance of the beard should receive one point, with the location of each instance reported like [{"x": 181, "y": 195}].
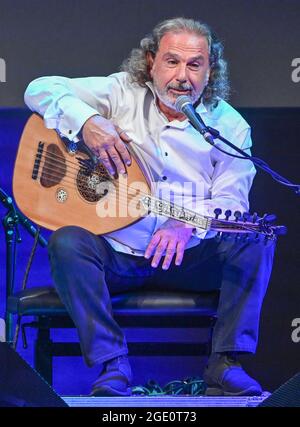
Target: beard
[{"x": 169, "y": 99}]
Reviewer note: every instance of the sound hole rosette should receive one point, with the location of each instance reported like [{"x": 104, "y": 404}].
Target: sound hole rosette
[
  {"x": 61, "y": 195},
  {"x": 93, "y": 184}
]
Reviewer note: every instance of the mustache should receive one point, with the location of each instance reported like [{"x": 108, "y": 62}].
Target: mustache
[{"x": 180, "y": 86}]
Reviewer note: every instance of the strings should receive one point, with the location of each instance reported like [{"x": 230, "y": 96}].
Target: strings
[
  {"x": 66, "y": 171},
  {"x": 59, "y": 157},
  {"x": 75, "y": 184},
  {"x": 238, "y": 226},
  {"x": 48, "y": 172},
  {"x": 65, "y": 167},
  {"x": 124, "y": 199}
]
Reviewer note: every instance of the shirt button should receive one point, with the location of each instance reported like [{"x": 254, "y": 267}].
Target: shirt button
[
  {"x": 166, "y": 154},
  {"x": 164, "y": 178},
  {"x": 70, "y": 132}
]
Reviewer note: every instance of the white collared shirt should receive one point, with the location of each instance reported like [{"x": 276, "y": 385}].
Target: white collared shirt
[{"x": 199, "y": 176}]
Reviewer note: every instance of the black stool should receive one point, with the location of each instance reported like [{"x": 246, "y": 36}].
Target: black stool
[{"x": 131, "y": 310}]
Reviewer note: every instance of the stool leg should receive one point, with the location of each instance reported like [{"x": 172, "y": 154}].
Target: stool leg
[
  {"x": 211, "y": 331},
  {"x": 43, "y": 355}
]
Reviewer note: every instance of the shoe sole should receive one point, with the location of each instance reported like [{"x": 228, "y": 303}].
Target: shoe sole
[{"x": 106, "y": 391}]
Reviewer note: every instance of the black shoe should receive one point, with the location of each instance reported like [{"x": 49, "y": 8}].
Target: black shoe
[
  {"x": 114, "y": 379},
  {"x": 225, "y": 376}
]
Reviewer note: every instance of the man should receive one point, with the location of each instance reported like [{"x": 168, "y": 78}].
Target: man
[{"x": 137, "y": 108}]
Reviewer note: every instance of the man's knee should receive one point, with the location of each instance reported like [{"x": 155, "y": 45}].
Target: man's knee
[
  {"x": 251, "y": 247},
  {"x": 262, "y": 248},
  {"x": 66, "y": 239}
]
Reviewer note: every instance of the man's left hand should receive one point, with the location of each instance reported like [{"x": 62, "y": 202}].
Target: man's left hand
[{"x": 171, "y": 238}]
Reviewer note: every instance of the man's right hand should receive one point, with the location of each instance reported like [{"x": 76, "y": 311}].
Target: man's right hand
[{"x": 107, "y": 143}]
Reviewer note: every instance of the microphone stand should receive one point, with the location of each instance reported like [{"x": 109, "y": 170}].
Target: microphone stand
[
  {"x": 258, "y": 162},
  {"x": 12, "y": 236}
]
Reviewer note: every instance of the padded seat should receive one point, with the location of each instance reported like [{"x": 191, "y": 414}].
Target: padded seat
[{"x": 44, "y": 300}]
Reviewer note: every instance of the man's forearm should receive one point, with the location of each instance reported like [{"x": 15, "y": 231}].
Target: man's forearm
[{"x": 62, "y": 108}]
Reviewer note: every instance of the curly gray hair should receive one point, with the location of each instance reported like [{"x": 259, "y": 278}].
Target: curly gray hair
[{"x": 138, "y": 68}]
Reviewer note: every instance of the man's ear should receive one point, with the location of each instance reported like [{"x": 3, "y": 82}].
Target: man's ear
[{"x": 150, "y": 61}]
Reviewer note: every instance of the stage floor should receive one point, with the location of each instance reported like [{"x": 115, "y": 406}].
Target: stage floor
[{"x": 164, "y": 401}]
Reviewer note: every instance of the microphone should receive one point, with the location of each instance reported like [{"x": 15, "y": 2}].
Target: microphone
[{"x": 184, "y": 105}]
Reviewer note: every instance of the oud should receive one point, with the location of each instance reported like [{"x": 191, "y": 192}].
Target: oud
[{"x": 58, "y": 183}]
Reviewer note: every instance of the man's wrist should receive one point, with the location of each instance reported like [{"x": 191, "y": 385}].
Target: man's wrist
[{"x": 80, "y": 133}]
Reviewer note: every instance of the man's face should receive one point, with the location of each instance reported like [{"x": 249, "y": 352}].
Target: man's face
[{"x": 180, "y": 67}]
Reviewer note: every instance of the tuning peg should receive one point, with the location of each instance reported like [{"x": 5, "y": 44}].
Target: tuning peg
[
  {"x": 246, "y": 216},
  {"x": 227, "y": 214},
  {"x": 269, "y": 218},
  {"x": 217, "y": 212},
  {"x": 280, "y": 230},
  {"x": 254, "y": 217},
  {"x": 237, "y": 215}
]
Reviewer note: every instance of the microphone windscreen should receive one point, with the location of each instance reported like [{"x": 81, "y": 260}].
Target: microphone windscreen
[{"x": 181, "y": 101}]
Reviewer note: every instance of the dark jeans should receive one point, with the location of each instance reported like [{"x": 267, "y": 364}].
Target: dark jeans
[{"x": 87, "y": 270}]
